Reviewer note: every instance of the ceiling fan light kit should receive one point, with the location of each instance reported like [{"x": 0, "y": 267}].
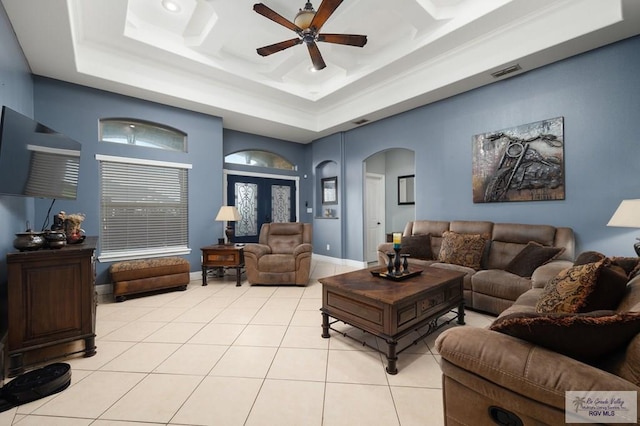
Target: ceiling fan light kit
[
  {"x": 305, "y": 16},
  {"x": 307, "y": 24}
]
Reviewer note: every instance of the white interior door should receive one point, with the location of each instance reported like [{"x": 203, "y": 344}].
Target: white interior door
[{"x": 374, "y": 201}]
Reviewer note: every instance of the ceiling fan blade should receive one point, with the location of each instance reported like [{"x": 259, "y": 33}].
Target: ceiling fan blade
[
  {"x": 316, "y": 57},
  {"x": 275, "y": 17},
  {"x": 349, "y": 39},
  {"x": 327, "y": 7},
  {"x": 277, "y": 47}
]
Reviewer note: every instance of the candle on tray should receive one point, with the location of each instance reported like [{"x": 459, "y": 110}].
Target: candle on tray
[{"x": 397, "y": 239}]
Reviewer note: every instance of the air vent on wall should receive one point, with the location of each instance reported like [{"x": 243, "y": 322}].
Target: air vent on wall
[
  {"x": 362, "y": 121},
  {"x": 507, "y": 70}
]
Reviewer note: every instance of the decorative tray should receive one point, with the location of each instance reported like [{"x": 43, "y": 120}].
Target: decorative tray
[{"x": 382, "y": 273}]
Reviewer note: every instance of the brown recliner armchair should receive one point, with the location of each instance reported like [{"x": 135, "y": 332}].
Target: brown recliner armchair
[{"x": 282, "y": 255}]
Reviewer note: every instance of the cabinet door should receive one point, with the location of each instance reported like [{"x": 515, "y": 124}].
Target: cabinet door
[{"x": 47, "y": 303}]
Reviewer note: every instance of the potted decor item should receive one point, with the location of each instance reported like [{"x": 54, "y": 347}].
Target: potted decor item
[{"x": 72, "y": 227}]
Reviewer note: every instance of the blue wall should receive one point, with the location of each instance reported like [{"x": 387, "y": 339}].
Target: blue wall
[
  {"x": 597, "y": 93},
  {"x": 328, "y": 156},
  {"x": 76, "y": 110},
  {"x": 16, "y": 92}
]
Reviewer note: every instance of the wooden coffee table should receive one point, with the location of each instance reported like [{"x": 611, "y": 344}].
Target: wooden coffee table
[{"x": 391, "y": 309}]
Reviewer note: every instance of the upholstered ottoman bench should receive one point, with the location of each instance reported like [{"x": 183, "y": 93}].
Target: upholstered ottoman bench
[{"x": 144, "y": 275}]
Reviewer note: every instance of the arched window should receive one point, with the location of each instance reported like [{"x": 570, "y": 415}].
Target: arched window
[
  {"x": 259, "y": 158},
  {"x": 142, "y": 133}
]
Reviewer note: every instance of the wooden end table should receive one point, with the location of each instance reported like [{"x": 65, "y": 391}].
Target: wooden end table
[
  {"x": 391, "y": 309},
  {"x": 221, "y": 256}
]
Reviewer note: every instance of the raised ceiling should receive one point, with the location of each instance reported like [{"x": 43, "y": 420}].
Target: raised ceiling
[{"x": 204, "y": 58}]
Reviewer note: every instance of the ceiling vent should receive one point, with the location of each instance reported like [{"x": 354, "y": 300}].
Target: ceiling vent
[
  {"x": 507, "y": 70},
  {"x": 362, "y": 121}
]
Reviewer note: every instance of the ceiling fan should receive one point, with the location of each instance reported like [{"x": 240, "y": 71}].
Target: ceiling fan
[{"x": 307, "y": 24}]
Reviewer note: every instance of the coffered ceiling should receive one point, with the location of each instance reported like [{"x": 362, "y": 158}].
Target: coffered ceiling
[{"x": 203, "y": 57}]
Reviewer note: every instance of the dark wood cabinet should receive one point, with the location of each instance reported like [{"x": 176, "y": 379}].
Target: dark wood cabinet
[{"x": 51, "y": 301}]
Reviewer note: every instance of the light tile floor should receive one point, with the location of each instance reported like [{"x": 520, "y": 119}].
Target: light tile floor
[{"x": 249, "y": 355}]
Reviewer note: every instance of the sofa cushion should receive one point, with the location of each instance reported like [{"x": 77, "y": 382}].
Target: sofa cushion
[
  {"x": 569, "y": 290},
  {"x": 587, "y": 337},
  {"x": 626, "y": 363},
  {"x": 462, "y": 249},
  {"x": 468, "y": 273},
  {"x": 500, "y": 284},
  {"x": 277, "y": 263},
  {"x": 417, "y": 246},
  {"x": 532, "y": 256}
]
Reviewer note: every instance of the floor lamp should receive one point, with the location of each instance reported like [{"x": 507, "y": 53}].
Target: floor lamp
[{"x": 228, "y": 214}]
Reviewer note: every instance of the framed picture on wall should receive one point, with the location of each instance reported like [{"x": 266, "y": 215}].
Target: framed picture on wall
[
  {"x": 406, "y": 189},
  {"x": 330, "y": 190},
  {"x": 522, "y": 163}
]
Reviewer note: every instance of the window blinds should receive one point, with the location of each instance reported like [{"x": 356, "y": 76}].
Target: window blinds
[{"x": 143, "y": 208}]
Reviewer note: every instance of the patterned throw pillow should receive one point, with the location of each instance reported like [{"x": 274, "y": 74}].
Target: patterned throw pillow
[
  {"x": 612, "y": 281},
  {"x": 417, "y": 246},
  {"x": 462, "y": 249},
  {"x": 573, "y": 335},
  {"x": 531, "y": 257},
  {"x": 569, "y": 290}
]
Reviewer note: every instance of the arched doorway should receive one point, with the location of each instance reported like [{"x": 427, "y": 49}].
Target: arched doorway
[{"x": 383, "y": 213}]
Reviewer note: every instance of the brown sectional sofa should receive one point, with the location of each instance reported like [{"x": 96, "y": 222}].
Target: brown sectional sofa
[
  {"x": 491, "y": 289},
  {"x": 487, "y": 372}
]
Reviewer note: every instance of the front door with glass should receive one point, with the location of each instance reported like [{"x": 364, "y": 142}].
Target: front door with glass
[{"x": 260, "y": 200}]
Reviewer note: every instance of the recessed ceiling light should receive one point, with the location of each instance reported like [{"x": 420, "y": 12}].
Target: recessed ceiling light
[{"x": 171, "y": 6}]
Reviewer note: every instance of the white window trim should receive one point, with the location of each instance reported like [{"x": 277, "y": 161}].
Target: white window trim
[
  {"x": 142, "y": 254},
  {"x": 144, "y": 162}
]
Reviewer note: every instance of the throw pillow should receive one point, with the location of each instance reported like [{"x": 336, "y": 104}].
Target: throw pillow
[
  {"x": 628, "y": 264},
  {"x": 588, "y": 257},
  {"x": 531, "y": 257},
  {"x": 586, "y": 337},
  {"x": 609, "y": 289},
  {"x": 569, "y": 290},
  {"x": 462, "y": 249},
  {"x": 417, "y": 246}
]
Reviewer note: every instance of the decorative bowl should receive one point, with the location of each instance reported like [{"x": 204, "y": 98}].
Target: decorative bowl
[
  {"x": 28, "y": 241},
  {"x": 55, "y": 239}
]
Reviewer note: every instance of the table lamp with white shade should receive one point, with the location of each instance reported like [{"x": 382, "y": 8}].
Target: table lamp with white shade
[
  {"x": 628, "y": 216},
  {"x": 228, "y": 214}
]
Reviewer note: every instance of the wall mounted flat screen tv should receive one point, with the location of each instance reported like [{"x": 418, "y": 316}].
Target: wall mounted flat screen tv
[{"x": 36, "y": 161}]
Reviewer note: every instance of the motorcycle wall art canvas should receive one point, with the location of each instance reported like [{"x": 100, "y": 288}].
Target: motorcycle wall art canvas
[{"x": 522, "y": 163}]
